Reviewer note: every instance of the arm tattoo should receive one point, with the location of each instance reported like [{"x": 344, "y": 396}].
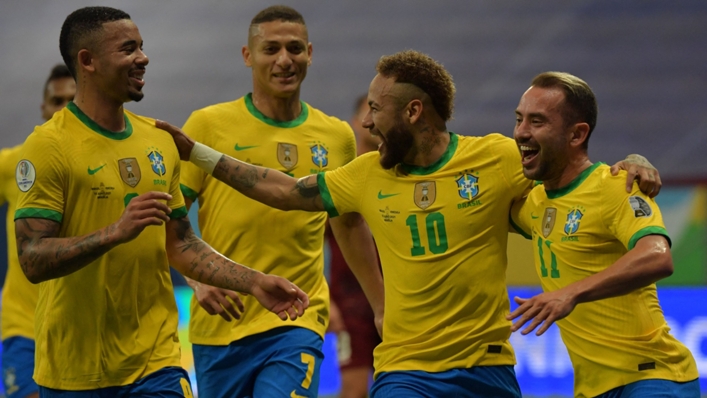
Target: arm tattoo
[
  {"x": 240, "y": 176},
  {"x": 306, "y": 189}
]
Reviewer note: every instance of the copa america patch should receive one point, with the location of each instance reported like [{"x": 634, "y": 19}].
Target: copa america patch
[
  {"x": 640, "y": 207},
  {"x": 25, "y": 175}
]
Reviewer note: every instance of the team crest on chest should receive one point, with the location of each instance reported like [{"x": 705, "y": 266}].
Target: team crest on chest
[
  {"x": 157, "y": 161},
  {"x": 573, "y": 218},
  {"x": 425, "y": 194},
  {"x": 549, "y": 220},
  {"x": 468, "y": 186},
  {"x": 287, "y": 155},
  {"x": 129, "y": 171},
  {"x": 320, "y": 155}
]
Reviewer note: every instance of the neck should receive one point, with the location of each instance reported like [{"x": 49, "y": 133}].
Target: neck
[
  {"x": 574, "y": 168},
  {"x": 106, "y": 112},
  {"x": 280, "y": 109},
  {"x": 429, "y": 146}
]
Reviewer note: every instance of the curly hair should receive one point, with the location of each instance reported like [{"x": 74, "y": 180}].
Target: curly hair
[
  {"x": 422, "y": 71},
  {"x": 78, "y": 29}
]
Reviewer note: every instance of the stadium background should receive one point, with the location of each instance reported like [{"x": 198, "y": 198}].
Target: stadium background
[{"x": 645, "y": 60}]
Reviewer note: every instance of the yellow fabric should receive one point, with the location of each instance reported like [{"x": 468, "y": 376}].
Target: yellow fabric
[
  {"x": 115, "y": 320},
  {"x": 289, "y": 244},
  {"x": 443, "y": 256},
  {"x": 607, "y": 339},
  {"x": 19, "y": 296}
]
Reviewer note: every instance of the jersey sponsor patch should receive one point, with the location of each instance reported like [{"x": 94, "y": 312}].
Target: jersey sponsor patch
[
  {"x": 425, "y": 194},
  {"x": 129, "y": 171},
  {"x": 25, "y": 175},
  {"x": 640, "y": 207},
  {"x": 549, "y": 220},
  {"x": 287, "y": 155}
]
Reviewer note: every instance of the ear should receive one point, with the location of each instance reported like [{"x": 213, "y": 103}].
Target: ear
[
  {"x": 84, "y": 61},
  {"x": 245, "y": 51},
  {"x": 413, "y": 111},
  {"x": 309, "y": 54},
  {"x": 579, "y": 133}
]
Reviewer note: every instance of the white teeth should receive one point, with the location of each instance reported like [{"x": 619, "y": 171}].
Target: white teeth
[{"x": 526, "y": 148}]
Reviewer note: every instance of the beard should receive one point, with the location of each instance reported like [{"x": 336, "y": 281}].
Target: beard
[
  {"x": 136, "y": 95},
  {"x": 396, "y": 144}
]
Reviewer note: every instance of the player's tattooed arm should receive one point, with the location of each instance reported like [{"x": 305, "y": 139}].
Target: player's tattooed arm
[{"x": 44, "y": 256}]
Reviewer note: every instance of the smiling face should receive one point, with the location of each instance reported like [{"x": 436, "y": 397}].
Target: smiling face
[
  {"x": 119, "y": 61},
  {"x": 542, "y": 134},
  {"x": 385, "y": 121},
  {"x": 278, "y": 53}
]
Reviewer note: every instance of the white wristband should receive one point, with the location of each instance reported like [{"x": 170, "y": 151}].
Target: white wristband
[{"x": 205, "y": 157}]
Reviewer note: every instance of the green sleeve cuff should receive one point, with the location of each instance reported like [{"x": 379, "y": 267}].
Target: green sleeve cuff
[
  {"x": 188, "y": 192},
  {"x": 179, "y": 212},
  {"x": 326, "y": 196},
  {"x": 648, "y": 231},
  {"x": 518, "y": 229},
  {"x": 39, "y": 213}
]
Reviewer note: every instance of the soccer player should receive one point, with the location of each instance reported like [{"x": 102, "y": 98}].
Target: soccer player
[
  {"x": 437, "y": 204},
  {"x": 99, "y": 218},
  {"x": 19, "y": 297},
  {"x": 269, "y": 127},
  {"x": 600, "y": 251},
  {"x": 351, "y": 318}
]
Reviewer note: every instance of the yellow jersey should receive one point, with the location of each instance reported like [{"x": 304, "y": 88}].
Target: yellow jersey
[
  {"x": 284, "y": 243},
  {"x": 578, "y": 231},
  {"x": 115, "y": 320},
  {"x": 19, "y": 296},
  {"x": 441, "y": 233}
]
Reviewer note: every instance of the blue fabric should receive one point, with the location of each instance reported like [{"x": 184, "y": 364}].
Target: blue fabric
[
  {"x": 170, "y": 382},
  {"x": 475, "y": 382},
  {"x": 656, "y": 388},
  {"x": 18, "y": 367},
  {"x": 282, "y": 362}
]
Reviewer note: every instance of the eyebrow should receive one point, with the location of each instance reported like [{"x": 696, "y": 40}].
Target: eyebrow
[{"x": 129, "y": 43}]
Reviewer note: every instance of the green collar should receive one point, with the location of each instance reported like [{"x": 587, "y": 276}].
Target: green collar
[
  {"x": 276, "y": 123},
  {"x": 121, "y": 135},
  {"x": 556, "y": 193},
  {"x": 421, "y": 171}
]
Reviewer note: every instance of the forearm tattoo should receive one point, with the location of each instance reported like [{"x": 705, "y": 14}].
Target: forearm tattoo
[
  {"x": 307, "y": 189},
  {"x": 208, "y": 266},
  {"x": 44, "y": 256},
  {"x": 239, "y": 175}
]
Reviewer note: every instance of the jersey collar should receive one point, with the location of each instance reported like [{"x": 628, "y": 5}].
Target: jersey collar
[
  {"x": 556, "y": 193},
  {"x": 421, "y": 171},
  {"x": 121, "y": 135},
  {"x": 276, "y": 123}
]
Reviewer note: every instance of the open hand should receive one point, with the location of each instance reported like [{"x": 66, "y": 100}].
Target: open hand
[
  {"x": 639, "y": 168},
  {"x": 183, "y": 142},
  {"x": 216, "y": 301},
  {"x": 545, "y": 307},
  {"x": 280, "y": 296}
]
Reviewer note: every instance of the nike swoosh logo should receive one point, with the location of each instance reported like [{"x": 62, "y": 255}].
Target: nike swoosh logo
[
  {"x": 94, "y": 171},
  {"x": 243, "y": 148},
  {"x": 533, "y": 216},
  {"x": 382, "y": 196}
]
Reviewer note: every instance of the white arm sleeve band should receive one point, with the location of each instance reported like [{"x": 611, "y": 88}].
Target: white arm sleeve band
[{"x": 204, "y": 157}]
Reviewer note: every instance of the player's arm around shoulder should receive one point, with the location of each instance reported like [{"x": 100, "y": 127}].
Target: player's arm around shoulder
[{"x": 264, "y": 185}]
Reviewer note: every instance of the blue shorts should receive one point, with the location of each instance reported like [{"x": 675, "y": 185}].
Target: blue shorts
[
  {"x": 655, "y": 388},
  {"x": 282, "y": 362},
  {"x": 474, "y": 382},
  {"x": 18, "y": 367},
  {"x": 170, "y": 382}
]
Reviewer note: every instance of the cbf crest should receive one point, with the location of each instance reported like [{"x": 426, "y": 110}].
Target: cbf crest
[
  {"x": 129, "y": 171},
  {"x": 573, "y": 219},
  {"x": 468, "y": 186},
  {"x": 320, "y": 155},
  {"x": 157, "y": 161},
  {"x": 425, "y": 194},
  {"x": 287, "y": 155},
  {"x": 549, "y": 220}
]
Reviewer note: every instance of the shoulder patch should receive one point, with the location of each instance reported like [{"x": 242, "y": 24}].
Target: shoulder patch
[
  {"x": 640, "y": 207},
  {"x": 25, "y": 175}
]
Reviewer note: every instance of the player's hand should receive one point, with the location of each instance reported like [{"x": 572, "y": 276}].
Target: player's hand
[
  {"x": 336, "y": 321},
  {"x": 641, "y": 169},
  {"x": 545, "y": 307},
  {"x": 147, "y": 209},
  {"x": 216, "y": 301},
  {"x": 183, "y": 142},
  {"x": 280, "y": 296}
]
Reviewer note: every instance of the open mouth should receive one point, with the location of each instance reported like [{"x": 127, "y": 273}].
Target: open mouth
[
  {"x": 528, "y": 154},
  {"x": 137, "y": 77},
  {"x": 285, "y": 75}
]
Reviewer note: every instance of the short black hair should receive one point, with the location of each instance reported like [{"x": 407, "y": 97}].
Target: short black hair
[
  {"x": 277, "y": 13},
  {"x": 59, "y": 71},
  {"x": 79, "y": 26}
]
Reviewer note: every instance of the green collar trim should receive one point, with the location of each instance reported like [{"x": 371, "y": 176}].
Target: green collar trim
[
  {"x": 276, "y": 123},
  {"x": 121, "y": 135},
  {"x": 557, "y": 193},
  {"x": 421, "y": 171}
]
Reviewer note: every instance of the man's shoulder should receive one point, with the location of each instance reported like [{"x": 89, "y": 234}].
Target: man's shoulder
[
  {"x": 220, "y": 107},
  {"x": 333, "y": 122}
]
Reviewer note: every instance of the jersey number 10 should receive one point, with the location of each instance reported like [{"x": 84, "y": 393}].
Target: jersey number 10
[{"x": 436, "y": 234}]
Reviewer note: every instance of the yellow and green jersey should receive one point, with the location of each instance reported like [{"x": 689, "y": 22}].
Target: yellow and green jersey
[
  {"x": 578, "y": 231},
  {"x": 115, "y": 320},
  {"x": 288, "y": 244},
  {"x": 441, "y": 233},
  {"x": 19, "y": 296}
]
